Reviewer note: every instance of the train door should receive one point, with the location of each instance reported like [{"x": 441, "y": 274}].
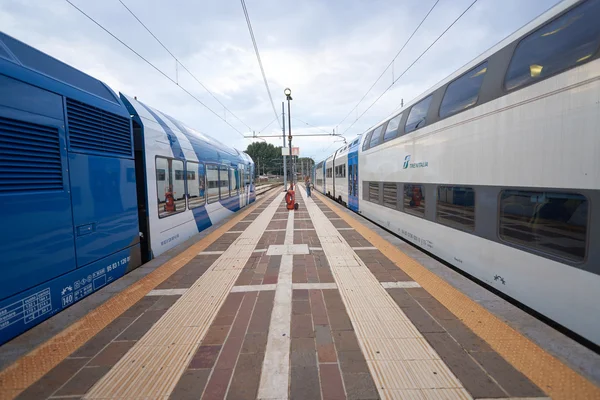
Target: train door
[
  {"x": 353, "y": 181},
  {"x": 242, "y": 186}
]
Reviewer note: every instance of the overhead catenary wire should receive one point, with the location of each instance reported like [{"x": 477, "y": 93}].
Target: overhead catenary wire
[
  {"x": 410, "y": 66},
  {"x": 269, "y": 124},
  {"x": 182, "y": 65},
  {"x": 312, "y": 126},
  {"x": 262, "y": 70},
  {"x": 391, "y": 62},
  {"x": 153, "y": 66}
]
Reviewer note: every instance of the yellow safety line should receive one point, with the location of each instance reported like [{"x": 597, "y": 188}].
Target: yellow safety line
[
  {"x": 32, "y": 366},
  {"x": 545, "y": 370}
]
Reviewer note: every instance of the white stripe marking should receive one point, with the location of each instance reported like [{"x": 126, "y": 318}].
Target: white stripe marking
[
  {"x": 290, "y": 249},
  {"x": 315, "y": 248},
  {"x": 304, "y": 229},
  {"x": 365, "y": 248},
  {"x": 252, "y": 288},
  {"x": 319, "y": 286},
  {"x": 402, "y": 285},
  {"x": 167, "y": 292},
  {"x": 259, "y": 250},
  {"x": 234, "y": 232},
  {"x": 274, "y": 230},
  {"x": 345, "y": 229},
  {"x": 211, "y": 253},
  {"x": 274, "y": 379}
]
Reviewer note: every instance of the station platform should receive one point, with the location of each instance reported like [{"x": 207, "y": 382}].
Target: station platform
[{"x": 309, "y": 304}]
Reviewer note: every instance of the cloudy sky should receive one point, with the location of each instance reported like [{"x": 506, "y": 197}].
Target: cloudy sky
[{"x": 329, "y": 52}]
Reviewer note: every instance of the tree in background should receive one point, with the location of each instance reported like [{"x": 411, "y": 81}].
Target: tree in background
[{"x": 268, "y": 159}]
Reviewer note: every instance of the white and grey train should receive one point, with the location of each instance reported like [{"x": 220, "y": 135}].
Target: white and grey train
[{"x": 496, "y": 169}]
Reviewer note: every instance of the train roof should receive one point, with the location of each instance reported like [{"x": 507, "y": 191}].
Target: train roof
[
  {"x": 205, "y": 146},
  {"x": 22, "y": 62},
  {"x": 530, "y": 26}
]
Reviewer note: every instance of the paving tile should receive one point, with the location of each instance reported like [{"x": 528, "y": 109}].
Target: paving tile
[
  {"x": 435, "y": 308},
  {"x": 229, "y": 354},
  {"x": 300, "y": 307},
  {"x": 246, "y": 377},
  {"x": 317, "y": 306},
  {"x": 331, "y": 382},
  {"x": 510, "y": 379},
  {"x": 240, "y": 324},
  {"x": 255, "y": 343},
  {"x": 136, "y": 330},
  {"x": 402, "y": 298},
  {"x": 360, "y": 387},
  {"x": 464, "y": 336},
  {"x": 261, "y": 318},
  {"x": 339, "y": 321},
  {"x": 304, "y": 383},
  {"x": 352, "y": 361},
  {"x": 111, "y": 354},
  {"x": 54, "y": 379},
  {"x": 470, "y": 374},
  {"x": 83, "y": 381},
  {"x": 102, "y": 338},
  {"x": 300, "y": 294},
  {"x": 223, "y": 319},
  {"x": 419, "y": 293},
  {"x": 216, "y": 387},
  {"x": 345, "y": 341},
  {"x": 216, "y": 334},
  {"x": 422, "y": 320},
  {"x": 302, "y": 326},
  {"x": 231, "y": 304},
  {"x": 164, "y": 303},
  {"x": 205, "y": 357},
  {"x": 190, "y": 385}
]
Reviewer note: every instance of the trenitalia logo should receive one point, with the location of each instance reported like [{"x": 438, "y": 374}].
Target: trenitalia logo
[{"x": 408, "y": 164}]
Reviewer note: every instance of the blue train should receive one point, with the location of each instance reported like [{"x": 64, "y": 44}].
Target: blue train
[{"x": 94, "y": 184}]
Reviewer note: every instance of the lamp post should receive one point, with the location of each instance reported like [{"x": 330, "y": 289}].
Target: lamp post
[{"x": 288, "y": 95}]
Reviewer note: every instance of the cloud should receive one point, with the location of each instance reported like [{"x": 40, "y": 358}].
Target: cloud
[{"x": 329, "y": 53}]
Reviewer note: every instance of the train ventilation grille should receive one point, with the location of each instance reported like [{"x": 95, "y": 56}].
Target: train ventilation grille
[
  {"x": 92, "y": 130},
  {"x": 30, "y": 157}
]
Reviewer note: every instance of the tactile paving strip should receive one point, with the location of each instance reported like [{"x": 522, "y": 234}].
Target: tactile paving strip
[
  {"x": 31, "y": 367},
  {"x": 153, "y": 366},
  {"x": 381, "y": 326},
  {"x": 546, "y": 371}
]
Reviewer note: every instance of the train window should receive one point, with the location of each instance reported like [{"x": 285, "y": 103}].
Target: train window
[
  {"x": 456, "y": 207},
  {"x": 367, "y": 140},
  {"x": 374, "y": 192},
  {"x": 418, "y": 113},
  {"x": 414, "y": 199},
  {"x": 170, "y": 190},
  {"x": 224, "y": 181},
  {"x": 212, "y": 179},
  {"x": 375, "y": 137},
  {"x": 568, "y": 41},
  {"x": 463, "y": 92},
  {"x": 195, "y": 185},
  {"x": 554, "y": 223},
  {"x": 391, "y": 131},
  {"x": 390, "y": 195}
]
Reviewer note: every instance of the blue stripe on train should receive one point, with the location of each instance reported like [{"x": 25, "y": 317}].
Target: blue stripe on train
[{"x": 173, "y": 141}]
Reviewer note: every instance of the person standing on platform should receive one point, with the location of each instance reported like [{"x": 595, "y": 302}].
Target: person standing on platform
[{"x": 307, "y": 184}]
